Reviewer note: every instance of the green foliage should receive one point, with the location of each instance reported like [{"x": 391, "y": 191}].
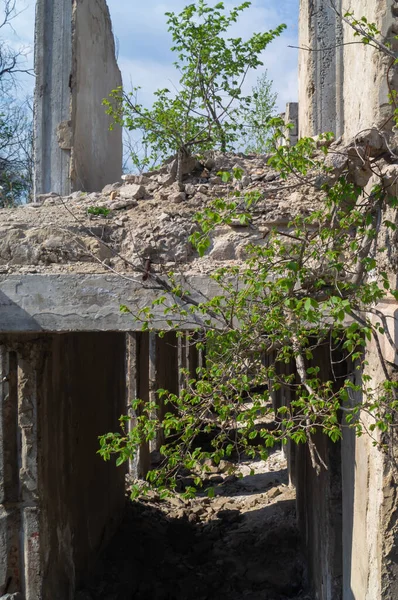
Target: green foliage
[
  {"x": 205, "y": 109},
  {"x": 98, "y": 211},
  {"x": 293, "y": 318},
  {"x": 256, "y": 118},
  {"x": 304, "y": 289}
]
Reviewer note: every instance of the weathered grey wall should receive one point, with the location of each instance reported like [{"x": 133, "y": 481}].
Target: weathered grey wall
[
  {"x": 61, "y": 501},
  {"x": 75, "y": 68},
  {"x": 370, "y": 501},
  {"x": 53, "y": 68},
  {"x": 321, "y": 69},
  {"x": 319, "y": 512},
  {"x": 97, "y": 151},
  {"x": 342, "y": 83},
  {"x": 366, "y": 70}
]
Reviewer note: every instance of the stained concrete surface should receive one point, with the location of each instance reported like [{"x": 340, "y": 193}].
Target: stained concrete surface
[
  {"x": 61, "y": 502},
  {"x": 76, "y": 68}
]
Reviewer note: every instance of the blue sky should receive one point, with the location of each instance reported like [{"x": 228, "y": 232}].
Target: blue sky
[{"x": 143, "y": 41}]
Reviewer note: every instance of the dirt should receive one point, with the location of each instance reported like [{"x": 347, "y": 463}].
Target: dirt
[{"x": 241, "y": 544}]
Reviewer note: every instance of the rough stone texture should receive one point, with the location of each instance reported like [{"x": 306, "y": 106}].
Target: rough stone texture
[
  {"x": 321, "y": 69},
  {"x": 59, "y": 500},
  {"x": 59, "y": 235},
  {"x": 343, "y": 85},
  {"x": 75, "y": 68}
]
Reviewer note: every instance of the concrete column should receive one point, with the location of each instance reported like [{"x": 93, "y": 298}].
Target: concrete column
[
  {"x": 132, "y": 372},
  {"x": 10, "y": 518},
  {"x": 19, "y": 472},
  {"x": 142, "y": 391},
  {"x": 167, "y": 364},
  {"x": 28, "y": 374},
  {"x": 59, "y": 501},
  {"x": 183, "y": 360},
  {"x": 319, "y": 501},
  {"x": 321, "y": 73},
  {"x": 76, "y": 69},
  {"x": 370, "y": 482},
  {"x": 291, "y": 117},
  {"x": 153, "y": 380}
]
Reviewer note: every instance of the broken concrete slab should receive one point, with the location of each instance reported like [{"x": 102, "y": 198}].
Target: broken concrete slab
[
  {"x": 76, "y": 69},
  {"x": 62, "y": 303}
]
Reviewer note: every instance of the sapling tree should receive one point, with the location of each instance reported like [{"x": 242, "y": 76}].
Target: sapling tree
[
  {"x": 203, "y": 110},
  {"x": 257, "y": 117},
  {"x": 312, "y": 285}
]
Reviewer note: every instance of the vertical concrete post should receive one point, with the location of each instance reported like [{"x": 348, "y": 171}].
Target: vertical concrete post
[
  {"x": 321, "y": 69},
  {"x": 76, "y": 69},
  {"x": 138, "y": 387},
  {"x": 142, "y": 392},
  {"x": 183, "y": 360},
  {"x": 291, "y": 117},
  {"x": 132, "y": 385},
  {"x": 152, "y": 376},
  {"x": 10, "y": 550},
  {"x": 20, "y": 559},
  {"x": 27, "y": 420}
]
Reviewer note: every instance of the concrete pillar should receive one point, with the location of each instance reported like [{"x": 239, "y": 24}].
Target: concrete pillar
[
  {"x": 319, "y": 511},
  {"x": 59, "y": 501},
  {"x": 370, "y": 500},
  {"x": 152, "y": 365},
  {"x": 291, "y": 117},
  {"x": 319, "y": 499},
  {"x": 76, "y": 69},
  {"x": 28, "y": 374},
  {"x": 10, "y": 518},
  {"x": 183, "y": 360},
  {"x": 321, "y": 69},
  {"x": 141, "y": 350}
]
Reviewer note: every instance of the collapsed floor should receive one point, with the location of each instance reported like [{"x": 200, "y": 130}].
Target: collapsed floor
[{"x": 241, "y": 544}]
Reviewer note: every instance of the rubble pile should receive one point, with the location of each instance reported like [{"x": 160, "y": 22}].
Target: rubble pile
[
  {"x": 241, "y": 544},
  {"x": 147, "y": 216}
]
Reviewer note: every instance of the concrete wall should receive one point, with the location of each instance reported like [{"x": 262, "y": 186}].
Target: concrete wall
[
  {"x": 370, "y": 503},
  {"x": 75, "y": 69},
  {"x": 342, "y": 85},
  {"x": 60, "y": 501},
  {"x": 365, "y": 80},
  {"x": 97, "y": 151}
]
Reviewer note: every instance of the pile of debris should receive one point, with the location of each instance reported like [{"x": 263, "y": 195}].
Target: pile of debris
[
  {"x": 149, "y": 216},
  {"x": 241, "y": 544}
]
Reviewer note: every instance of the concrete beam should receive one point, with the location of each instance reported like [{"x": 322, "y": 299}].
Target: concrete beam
[{"x": 62, "y": 303}]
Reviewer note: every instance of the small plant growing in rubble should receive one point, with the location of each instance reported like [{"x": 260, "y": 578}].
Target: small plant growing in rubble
[
  {"x": 305, "y": 292},
  {"x": 98, "y": 211},
  {"x": 205, "y": 110}
]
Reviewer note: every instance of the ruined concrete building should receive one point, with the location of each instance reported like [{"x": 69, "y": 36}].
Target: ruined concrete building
[{"x": 64, "y": 375}]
